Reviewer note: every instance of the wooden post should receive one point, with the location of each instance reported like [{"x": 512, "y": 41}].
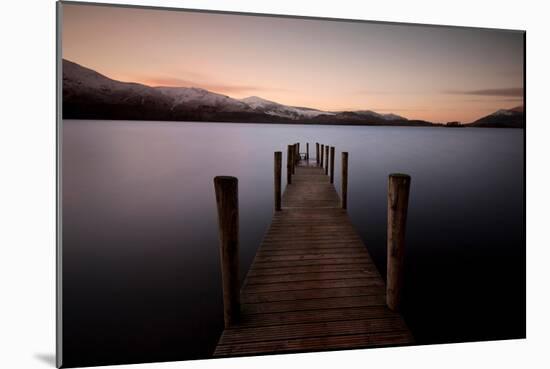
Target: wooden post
[
  {"x": 398, "y": 202},
  {"x": 322, "y": 154},
  {"x": 277, "y": 177},
  {"x": 307, "y": 151},
  {"x": 317, "y": 152},
  {"x": 294, "y": 158},
  {"x": 332, "y": 164},
  {"x": 227, "y": 200},
  {"x": 344, "y": 180},
  {"x": 326, "y": 160},
  {"x": 289, "y": 165}
]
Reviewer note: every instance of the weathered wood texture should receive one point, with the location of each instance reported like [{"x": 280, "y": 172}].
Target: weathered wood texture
[
  {"x": 317, "y": 153},
  {"x": 312, "y": 285},
  {"x": 332, "y": 164},
  {"x": 289, "y": 164},
  {"x": 294, "y": 157},
  {"x": 277, "y": 168},
  {"x": 398, "y": 203},
  {"x": 344, "y": 187},
  {"x": 326, "y": 159},
  {"x": 227, "y": 200}
]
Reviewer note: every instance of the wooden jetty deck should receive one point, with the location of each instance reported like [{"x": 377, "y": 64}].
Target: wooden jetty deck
[{"x": 312, "y": 285}]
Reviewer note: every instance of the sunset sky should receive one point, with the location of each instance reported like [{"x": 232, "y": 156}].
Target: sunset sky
[{"x": 432, "y": 73}]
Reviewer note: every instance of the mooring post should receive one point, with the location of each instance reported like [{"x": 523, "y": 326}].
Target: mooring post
[
  {"x": 344, "y": 180},
  {"x": 322, "y": 154},
  {"x": 227, "y": 200},
  {"x": 278, "y": 163},
  {"x": 317, "y": 152},
  {"x": 326, "y": 160},
  {"x": 398, "y": 202},
  {"x": 289, "y": 164},
  {"x": 295, "y": 158},
  {"x": 307, "y": 151},
  {"x": 332, "y": 164}
]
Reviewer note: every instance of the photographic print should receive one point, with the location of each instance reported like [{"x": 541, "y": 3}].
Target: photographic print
[{"x": 234, "y": 184}]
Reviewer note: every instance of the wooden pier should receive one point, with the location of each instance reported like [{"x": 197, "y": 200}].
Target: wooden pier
[{"x": 312, "y": 285}]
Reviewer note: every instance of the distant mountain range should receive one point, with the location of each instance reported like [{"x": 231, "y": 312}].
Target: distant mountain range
[{"x": 88, "y": 94}]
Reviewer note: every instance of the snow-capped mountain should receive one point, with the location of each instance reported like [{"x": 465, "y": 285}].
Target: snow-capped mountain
[
  {"x": 503, "y": 118},
  {"x": 79, "y": 82},
  {"x": 280, "y": 110},
  {"x": 197, "y": 97},
  {"x": 91, "y": 95},
  {"x": 88, "y": 94}
]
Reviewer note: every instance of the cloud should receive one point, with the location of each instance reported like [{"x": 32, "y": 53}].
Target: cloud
[
  {"x": 508, "y": 92},
  {"x": 210, "y": 86},
  {"x": 513, "y": 99},
  {"x": 399, "y": 109},
  {"x": 386, "y": 92}
]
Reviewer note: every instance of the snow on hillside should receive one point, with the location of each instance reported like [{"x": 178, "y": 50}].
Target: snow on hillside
[
  {"x": 503, "y": 112},
  {"x": 388, "y": 117},
  {"x": 286, "y": 111},
  {"x": 517, "y": 109},
  {"x": 82, "y": 81},
  {"x": 196, "y": 97}
]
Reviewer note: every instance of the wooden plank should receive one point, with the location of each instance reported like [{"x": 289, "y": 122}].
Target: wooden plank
[
  {"x": 317, "y": 315},
  {"x": 305, "y": 247},
  {"x": 313, "y": 284},
  {"x": 323, "y": 343},
  {"x": 316, "y": 303},
  {"x": 310, "y": 276},
  {"x": 310, "y": 256},
  {"x": 318, "y": 293},
  {"x": 335, "y": 261},
  {"x": 311, "y": 269},
  {"x": 314, "y": 237},
  {"x": 316, "y": 329},
  {"x": 345, "y": 248}
]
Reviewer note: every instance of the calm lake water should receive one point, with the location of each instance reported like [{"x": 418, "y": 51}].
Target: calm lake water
[{"x": 140, "y": 253}]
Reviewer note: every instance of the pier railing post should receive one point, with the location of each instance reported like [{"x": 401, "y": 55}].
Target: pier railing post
[
  {"x": 398, "y": 202},
  {"x": 344, "y": 180},
  {"x": 326, "y": 160},
  {"x": 322, "y": 154},
  {"x": 332, "y": 164},
  {"x": 294, "y": 157},
  {"x": 227, "y": 200},
  {"x": 278, "y": 163},
  {"x": 289, "y": 164},
  {"x": 317, "y": 152},
  {"x": 307, "y": 151}
]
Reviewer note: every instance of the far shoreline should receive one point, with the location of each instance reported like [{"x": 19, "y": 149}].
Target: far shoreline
[{"x": 291, "y": 123}]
